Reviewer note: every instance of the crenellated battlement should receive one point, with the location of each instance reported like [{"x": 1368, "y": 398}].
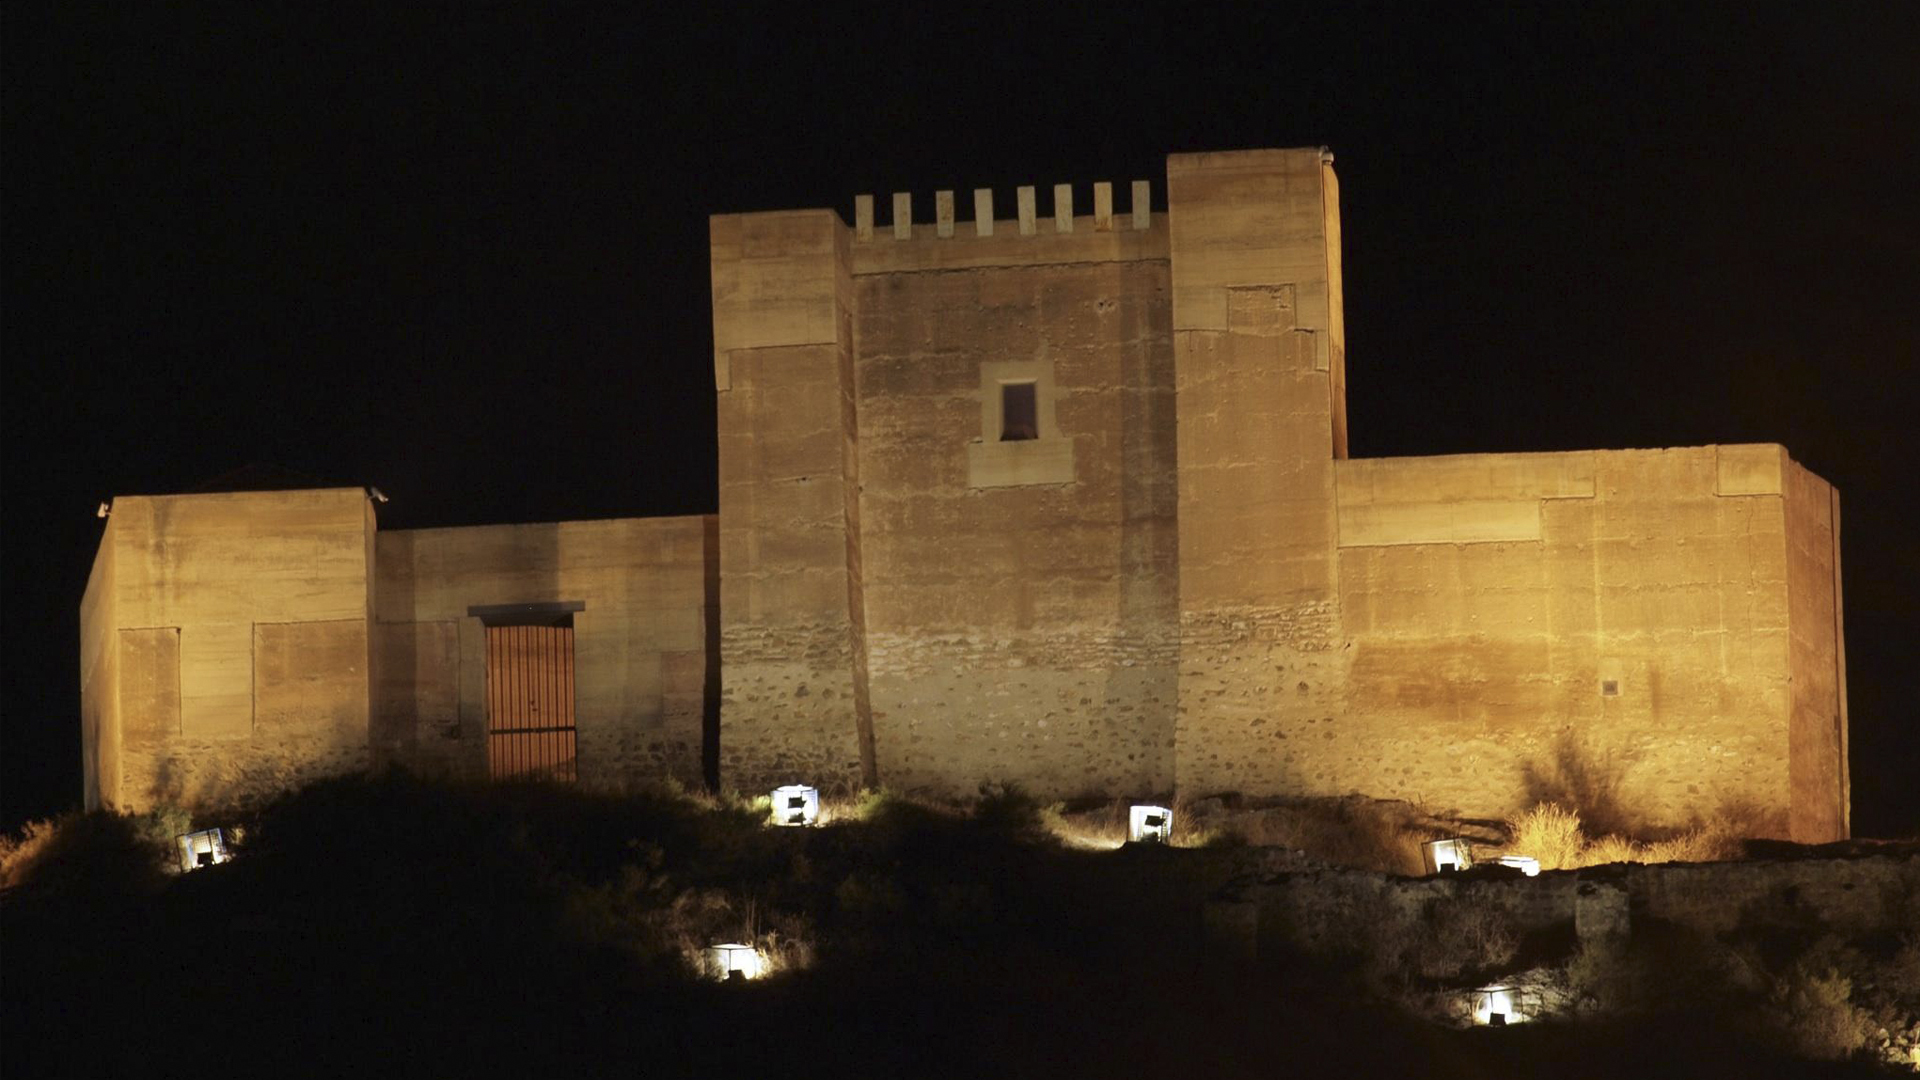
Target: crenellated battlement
[{"x": 1026, "y": 222}]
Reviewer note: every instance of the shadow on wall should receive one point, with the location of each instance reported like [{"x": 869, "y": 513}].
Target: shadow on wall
[{"x": 1580, "y": 778}]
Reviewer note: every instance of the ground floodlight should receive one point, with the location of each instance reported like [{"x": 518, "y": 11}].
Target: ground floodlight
[
  {"x": 1497, "y": 1006},
  {"x": 204, "y": 848},
  {"x": 1149, "y": 825},
  {"x": 796, "y": 804},
  {"x": 1526, "y": 864},
  {"x": 1447, "y": 856},
  {"x": 733, "y": 961}
]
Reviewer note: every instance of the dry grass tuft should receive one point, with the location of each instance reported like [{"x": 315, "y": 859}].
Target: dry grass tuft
[
  {"x": 1715, "y": 841},
  {"x": 1609, "y": 849},
  {"x": 1549, "y": 833},
  {"x": 19, "y": 853},
  {"x": 1100, "y": 828},
  {"x": 1552, "y": 834}
]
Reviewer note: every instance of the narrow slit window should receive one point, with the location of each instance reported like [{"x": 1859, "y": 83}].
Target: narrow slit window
[{"x": 1019, "y": 412}]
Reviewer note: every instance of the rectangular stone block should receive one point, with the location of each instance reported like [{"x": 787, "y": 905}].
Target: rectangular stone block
[
  {"x": 150, "y": 683},
  {"x": 1063, "y": 208},
  {"x": 1458, "y": 522},
  {"x": 310, "y": 678},
  {"x": 216, "y": 681},
  {"x": 943, "y": 213},
  {"x": 1748, "y": 469},
  {"x": 983, "y": 211}
]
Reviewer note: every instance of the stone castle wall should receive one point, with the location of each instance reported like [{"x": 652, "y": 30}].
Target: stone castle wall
[
  {"x": 1603, "y": 628},
  {"x": 1182, "y": 581},
  {"x": 1177, "y": 579},
  {"x": 792, "y": 701},
  {"x": 1257, "y": 345},
  {"x": 640, "y": 639},
  {"x": 1327, "y": 910},
  {"x": 228, "y": 644}
]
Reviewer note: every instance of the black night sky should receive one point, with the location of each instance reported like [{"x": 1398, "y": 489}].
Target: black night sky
[{"x": 460, "y": 252}]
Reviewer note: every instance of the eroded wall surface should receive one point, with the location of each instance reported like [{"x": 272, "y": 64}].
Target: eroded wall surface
[
  {"x": 1020, "y": 595},
  {"x": 640, "y": 641},
  {"x": 237, "y": 654}
]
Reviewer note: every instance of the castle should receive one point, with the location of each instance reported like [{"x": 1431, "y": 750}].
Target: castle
[{"x": 1060, "y": 501}]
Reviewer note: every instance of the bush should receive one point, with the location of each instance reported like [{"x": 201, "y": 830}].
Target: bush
[
  {"x": 1811, "y": 1010},
  {"x": 1008, "y": 810},
  {"x": 1465, "y": 937},
  {"x": 1551, "y": 834},
  {"x": 19, "y": 853},
  {"x": 96, "y": 854},
  {"x": 1716, "y": 841}
]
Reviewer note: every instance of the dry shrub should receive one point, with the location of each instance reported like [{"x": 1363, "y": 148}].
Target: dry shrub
[
  {"x": 1550, "y": 833},
  {"x": 19, "y": 853},
  {"x": 1715, "y": 841},
  {"x": 1585, "y": 777},
  {"x": 1008, "y": 810},
  {"x": 1345, "y": 832},
  {"x": 1101, "y": 827},
  {"x": 1465, "y": 936},
  {"x": 643, "y": 914},
  {"x": 1810, "y": 1008},
  {"x": 1611, "y": 849}
]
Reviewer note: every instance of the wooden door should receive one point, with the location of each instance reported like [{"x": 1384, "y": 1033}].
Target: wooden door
[{"x": 530, "y": 726}]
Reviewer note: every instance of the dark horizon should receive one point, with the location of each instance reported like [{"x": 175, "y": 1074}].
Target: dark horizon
[{"x": 461, "y": 254}]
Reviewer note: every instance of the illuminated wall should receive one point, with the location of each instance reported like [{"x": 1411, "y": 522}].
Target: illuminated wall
[
  {"x": 1059, "y": 499},
  {"x": 1020, "y": 593},
  {"x": 237, "y": 645},
  {"x": 1182, "y": 581},
  {"x": 640, "y": 674},
  {"x": 225, "y": 646}
]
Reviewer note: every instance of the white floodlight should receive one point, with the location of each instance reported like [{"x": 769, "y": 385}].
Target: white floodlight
[
  {"x": 208, "y": 847},
  {"x": 796, "y": 804},
  {"x": 734, "y": 961},
  {"x": 1497, "y": 1006},
  {"x": 1149, "y": 825},
  {"x": 1447, "y": 856},
  {"x": 1526, "y": 864}
]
